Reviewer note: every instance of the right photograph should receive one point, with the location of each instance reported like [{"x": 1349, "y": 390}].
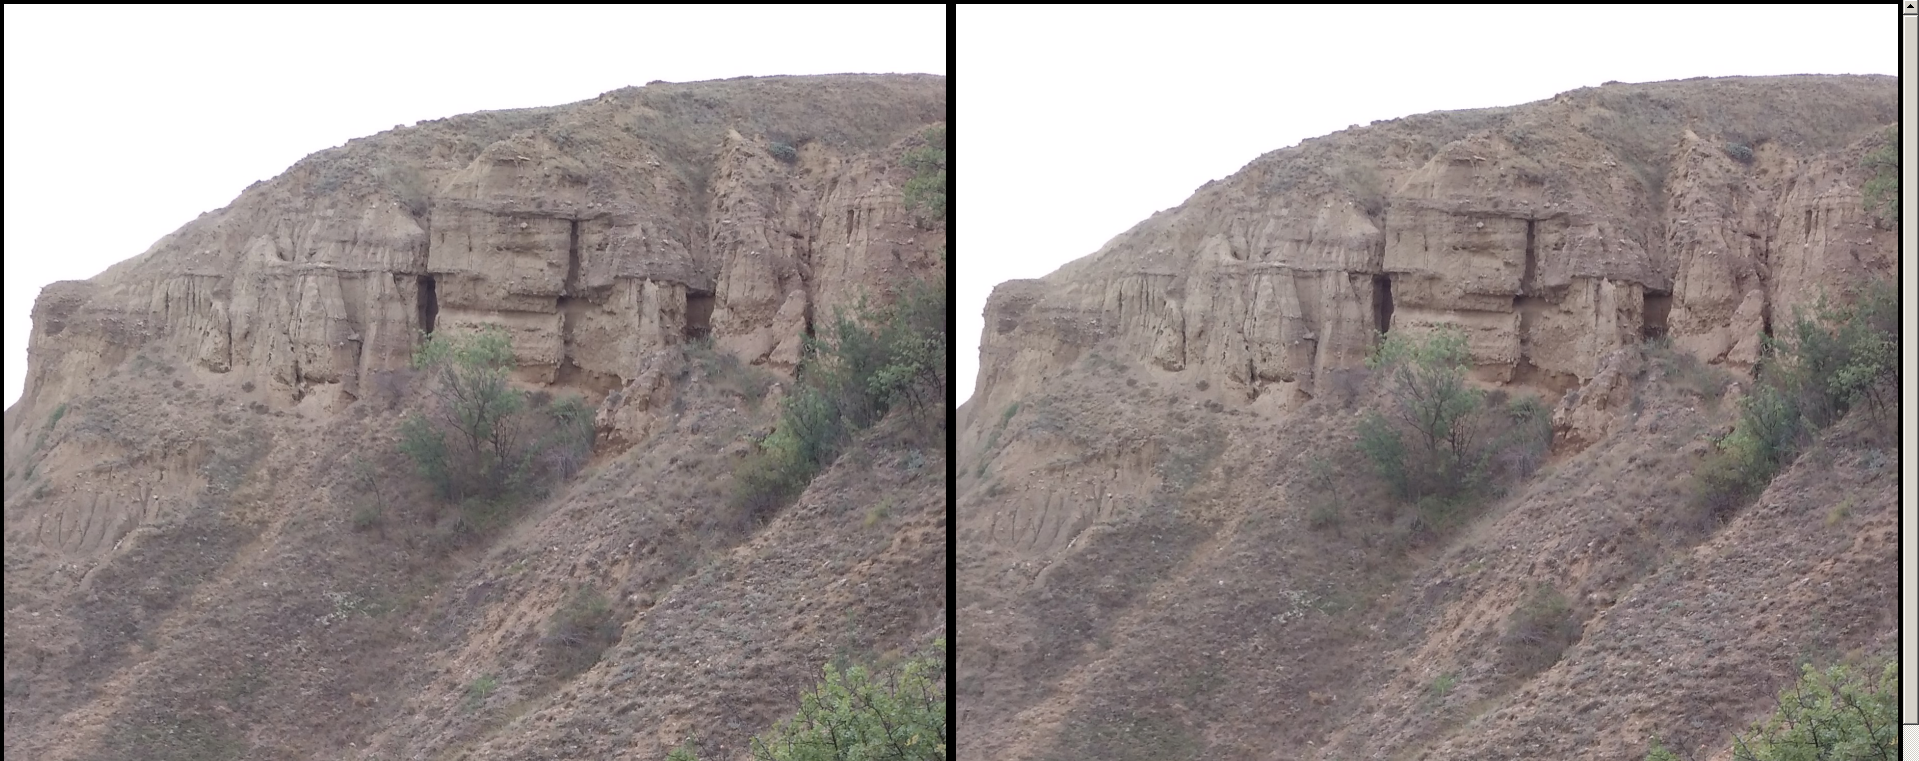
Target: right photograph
[{"x": 1422, "y": 383}]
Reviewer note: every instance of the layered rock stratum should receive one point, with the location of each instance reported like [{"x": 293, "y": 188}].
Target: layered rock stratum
[
  {"x": 1150, "y": 423},
  {"x": 185, "y": 574}
]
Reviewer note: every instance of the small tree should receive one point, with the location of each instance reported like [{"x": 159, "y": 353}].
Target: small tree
[
  {"x": 469, "y": 442},
  {"x": 1835, "y": 715},
  {"x": 1425, "y": 443},
  {"x": 859, "y": 716}
]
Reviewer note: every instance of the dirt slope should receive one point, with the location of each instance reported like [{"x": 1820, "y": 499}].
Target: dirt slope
[
  {"x": 196, "y": 570},
  {"x": 1141, "y": 575}
]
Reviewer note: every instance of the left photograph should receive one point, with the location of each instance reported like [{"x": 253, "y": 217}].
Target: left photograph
[{"x": 476, "y": 394}]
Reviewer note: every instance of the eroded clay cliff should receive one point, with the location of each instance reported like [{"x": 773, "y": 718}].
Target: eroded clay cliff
[
  {"x": 595, "y": 232},
  {"x": 1552, "y": 232},
  {"x": 1171, "y": 547},
  {"x": 216, "y": 550}
]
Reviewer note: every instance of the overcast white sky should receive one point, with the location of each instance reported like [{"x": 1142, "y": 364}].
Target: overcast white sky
[
  {"x": 124, "y": 123},
  {"x": 1073, "y": 125}
]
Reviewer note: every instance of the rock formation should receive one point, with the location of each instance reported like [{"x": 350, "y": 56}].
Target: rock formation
[
  {"x": 1171, "y": 546},
  {"x": 594, "y": 232},
  {"x": 216, "y": 548},
  {"x": 1552, "y": 232}
]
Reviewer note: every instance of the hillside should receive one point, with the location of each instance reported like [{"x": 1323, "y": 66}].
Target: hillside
[
  {"x": 1172, "y": 547},
  {"x": 216, "y": 549}
]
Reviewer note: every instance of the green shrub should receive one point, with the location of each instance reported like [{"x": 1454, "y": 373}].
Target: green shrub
[
  {"x": 1829, "y": 361},
  {"x": 1539, "y": 631},
  {"x": 784, "y": 152},
  {"x": 481, "y": 439},
  {"x": 477, "y": 692},
  {"x": 682, "y": 753},
  {"x": 1835, "y": 358},
  {"x": 1832, "y": 715},
  {"x": 58, "y": 412},
  {"x": 1882, "y": 190},
  {"x": 1658, "y": 752},
  {"x": 859, "y": 368},
  {"x": 854, "y": 715},
  {"x": 468, "y": 444},
  {"x": 579, "y": 632},
  {"x": 1739, "y": 152},
  {"x": 1439, "y": 444},
  {"x": 926, "y": 190}
]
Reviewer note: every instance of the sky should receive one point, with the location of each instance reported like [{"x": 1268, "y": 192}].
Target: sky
[
  {"x": 124, "y": 123},
  {"x": 1072, "y": 126}
]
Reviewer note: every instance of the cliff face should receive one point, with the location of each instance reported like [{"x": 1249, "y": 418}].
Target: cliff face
[
  {"x": 1552, "y": 232},
  {"x": 1170, "y": 546},
  {"x": 215, "y": 549},
  {"x": 596, "y": 232}
]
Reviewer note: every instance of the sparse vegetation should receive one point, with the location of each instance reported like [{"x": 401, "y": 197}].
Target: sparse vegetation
[
  {"x": 579, "y": 632},
  {"x": 860, "y": 368},
  {"x": 478, "y": 690},
  {"x": 926, "y": 191},
  {"x": 1322, "y": 495},
  {"x": 1882, "y": 190},
  {"x": 58, "y": 412},
  {"x": 726, "y": 371},
  {"x": 1829, "y": 361},
  {"x": 1739, "y": 152},
  {"x": 1538, "y": 631},
  {"x": 784, "y": 152},
  {"x": 1832, "y": 715}
]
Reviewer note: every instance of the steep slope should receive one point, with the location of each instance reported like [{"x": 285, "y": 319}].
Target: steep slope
[
  {"x": 215, "y": 550},
  {"x": 1139, "y": 573}
]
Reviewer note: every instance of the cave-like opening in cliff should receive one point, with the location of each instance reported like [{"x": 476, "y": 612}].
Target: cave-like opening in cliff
[
  {"x": 572, "y": 257},
  {"x": 428, "y": 301},
  {"x": 1653, "y": 321},
  {"x": 699, "y": 314},
  {"x": 1532, "y": 261},
  {"x": 1382, "y": 303}
]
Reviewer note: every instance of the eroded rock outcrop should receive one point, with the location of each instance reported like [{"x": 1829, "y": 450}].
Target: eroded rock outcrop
[
  {"x": 1553, "y": 233},
  {"x": 1165, "y": 548},
  {"x": 596, "y": 233}
]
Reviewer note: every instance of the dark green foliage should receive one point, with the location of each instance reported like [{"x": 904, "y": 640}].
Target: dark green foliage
[
  {"x": 857, "y": 370},
  {"x": 926, "y": 191},
  {"x": 1739, "y": 152},
  {"x": 1882, "y": 190},
  {"x": 854, "y": 715},
  {"x": 784, "y": 152},
  {"x": 1835, "y": 715}
]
